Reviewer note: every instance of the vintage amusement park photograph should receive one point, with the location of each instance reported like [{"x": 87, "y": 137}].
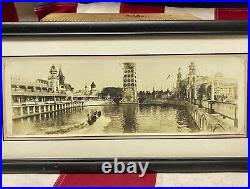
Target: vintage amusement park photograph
[{"x": 165, "y": 95}]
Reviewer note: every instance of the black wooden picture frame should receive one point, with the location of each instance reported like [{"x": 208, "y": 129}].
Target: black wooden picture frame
[
  {"x": 123, "y": 28},
  {"x": 12, "y": 30}
]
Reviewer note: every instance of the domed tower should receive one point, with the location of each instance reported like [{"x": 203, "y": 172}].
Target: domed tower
[
  {"x": 53, "y": 72},
  {"x": 93, "y": 88},
  {"x": 53, "y": 79},
  {"x": 129, "y": 83}
]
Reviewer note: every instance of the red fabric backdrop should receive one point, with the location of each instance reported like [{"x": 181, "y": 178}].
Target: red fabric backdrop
[{"x": 10, "y": 14}]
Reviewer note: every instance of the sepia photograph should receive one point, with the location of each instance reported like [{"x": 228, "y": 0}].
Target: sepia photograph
[{"x": 132, "y": 96}]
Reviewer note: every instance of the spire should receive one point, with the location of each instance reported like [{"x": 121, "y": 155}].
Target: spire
[
  {"x": 61, "y": 76},
  {"x": 60, "y": 71}
]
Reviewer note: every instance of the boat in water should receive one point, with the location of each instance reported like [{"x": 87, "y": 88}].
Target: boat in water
[{"x": 93, "y": 116}]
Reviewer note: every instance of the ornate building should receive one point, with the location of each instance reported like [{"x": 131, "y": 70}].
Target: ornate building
[
  {"x": 129, "y": 83},
  {"x": 215, "y": 87},
  {"x": 56, "y": 81}
]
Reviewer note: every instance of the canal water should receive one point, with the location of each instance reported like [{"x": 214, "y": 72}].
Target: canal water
[{"x": 115, "y": 119}]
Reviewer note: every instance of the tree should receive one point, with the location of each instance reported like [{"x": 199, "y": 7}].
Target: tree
[
  {"x": 209, "y": 91},
  {"x": 93, "y": 85},
  {"x": 142, "y": 96},
  {"x": 115, "y": 93},
  {"x": 183, "y": 91},
  {"x": 202, "y": 91}
]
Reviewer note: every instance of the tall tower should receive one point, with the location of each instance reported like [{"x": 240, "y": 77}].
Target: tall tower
[
  {"x": 53, "y": 79},
  {"x": 129, "y": 83},
  {"x": 192, "y": 73},
  {"x": 192, "y": 81},
  {"x": 61, "y": 77},
  {"x": 178, "y": 82}
]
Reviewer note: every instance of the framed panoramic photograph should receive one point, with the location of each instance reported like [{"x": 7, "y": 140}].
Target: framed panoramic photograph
[{"x": 78, "y": 94}]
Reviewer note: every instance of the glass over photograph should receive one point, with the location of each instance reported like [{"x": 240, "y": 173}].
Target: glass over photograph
[{"x": 130, "y": 96}]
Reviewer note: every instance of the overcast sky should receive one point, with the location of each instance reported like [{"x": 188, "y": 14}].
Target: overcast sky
[{"x": 152, "y": 71}]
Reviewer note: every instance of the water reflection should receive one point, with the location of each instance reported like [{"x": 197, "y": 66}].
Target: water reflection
[
  {"x": 129, "y": 113},
  {"x": 115, "y": 119}
]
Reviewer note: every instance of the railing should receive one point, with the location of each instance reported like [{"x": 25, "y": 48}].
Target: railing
[
  {"x": 224, "y": 108},
  {"x": 23, "y": 111},
  {"x": 29, "y": 93}
]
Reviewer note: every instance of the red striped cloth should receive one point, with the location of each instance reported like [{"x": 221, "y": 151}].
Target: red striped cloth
[
  {"x": 11, "y": 14},
  {"x": 105, "y": 180}
]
